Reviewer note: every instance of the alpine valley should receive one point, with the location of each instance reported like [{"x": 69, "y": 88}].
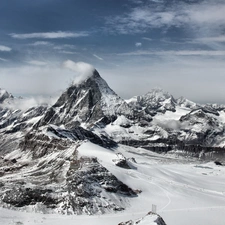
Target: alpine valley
[{"x": 101, "y": 159}]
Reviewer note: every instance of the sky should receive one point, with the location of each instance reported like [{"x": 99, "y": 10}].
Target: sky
[{"x": 136, "y": 45}]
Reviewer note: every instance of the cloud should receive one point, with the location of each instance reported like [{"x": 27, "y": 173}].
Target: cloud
[
  {"x": 138, "y": 44},
  {"x": 41, "y": 43},
  {"x": 83, "y": 70},
  {"x": 176, "y": 53},
  {"x": 37, "y": 63},
  {"x": 5, "y": 48},
  {"x": 65, "y": 46},
  {"x": 32, "y": 80},
  {"x": 196, "y": 77},
  {"x": 205, "y": 16},
  {"x": 171, "y": 124},
  {"x": 147, "y": 39},
  {"x": 67, "y": 52},
  {"x": 28, "y": 102},
  {"x": 96, "y": 56},
  {"x": 66, "y": 49},
  {"x": 50, "y": 35},
  {"x": 4, "y": 60},
  {"x": 220, "y": 38}
]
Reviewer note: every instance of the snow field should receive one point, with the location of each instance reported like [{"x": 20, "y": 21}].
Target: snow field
[{"x": 185, "y": 192}]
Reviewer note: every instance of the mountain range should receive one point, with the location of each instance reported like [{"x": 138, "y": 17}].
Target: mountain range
[{"x": 41, "y": 165}]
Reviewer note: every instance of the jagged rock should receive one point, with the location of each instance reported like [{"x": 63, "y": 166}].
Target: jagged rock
[
  {"x": 4, "y": 95},
  {"x": 123, "y": 162},
  {"x": 200, "y": 127},
  {"x": 89, "y": 102},
  {"x": 86, "y": 188},
  {"x": 21, "y": 196},
  {"x": 218, "y": 163},
  {"x": 155, "y": 101},
  {"x": 150, "y": 219}
]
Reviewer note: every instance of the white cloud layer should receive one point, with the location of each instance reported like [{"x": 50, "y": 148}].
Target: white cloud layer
[
  {"x": 37, "y": 63},
  {"x": 41, "y": 43},
  {"x": 138, "y": 44},
  {"x": 4, "y": 60},
  {"x": 98, "y": 57},
  {"x": 200, "y": 79},
  {"x": 28, "y": 102},
  {"x": 32, "y": 80},
  {"x": 5, "y": 48},
  {"x": 206, "y": 16},
  {"x": 50, "y": 35},
  {"x": 83, "y": 70},
  {"x": 220, "y": 38},
  {"x": 177, "y": 53}
]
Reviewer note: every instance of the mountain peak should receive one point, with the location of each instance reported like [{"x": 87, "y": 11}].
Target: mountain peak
[
  {"x": 87, "y": 101},
  {"x": 159, "y": 94},
  {"x": 89, "y": 75},
  {"x": 4, "y": 95}
]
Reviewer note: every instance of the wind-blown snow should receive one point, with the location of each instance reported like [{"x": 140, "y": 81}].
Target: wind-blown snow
[{"x": 83, "y": 70}]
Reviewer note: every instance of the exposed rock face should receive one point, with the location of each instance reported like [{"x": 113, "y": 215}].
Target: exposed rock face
[
  {"x": 84, "y": 187},
  {"x": 47, "y": 174},
  {"x": 4, "y": 95},
  {"x": 201, "y": 127},
  {"x": 155, "y": 101},
  {"x": 87, "y": 102},
  {"x": 93, "y": 185},
  {"x": 150, "y": 219}
]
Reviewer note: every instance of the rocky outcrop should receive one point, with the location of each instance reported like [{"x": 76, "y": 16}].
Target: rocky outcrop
[
  {"x": 153, "y": 102},
  {"x": 4, "y": 95},
  {"x": 150, "y": 219}
]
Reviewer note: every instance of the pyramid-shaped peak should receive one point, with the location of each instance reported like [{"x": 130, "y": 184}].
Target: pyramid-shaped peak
[
  {"x": 86, "y": 101},
  {"x": 93, "y": 81},
  {"x": 4, "y": 95}
]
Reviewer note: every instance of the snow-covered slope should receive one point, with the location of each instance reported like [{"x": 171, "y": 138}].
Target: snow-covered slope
[
  {"x": 46, "y": 173},
  {"x": 182, "y": 189}
]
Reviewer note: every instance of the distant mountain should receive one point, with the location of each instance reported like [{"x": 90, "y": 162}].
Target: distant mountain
[
  {"x": 183, "y": 102},
  {"x": 153, "y": 102},
  {"x": 4, "y": 95}
]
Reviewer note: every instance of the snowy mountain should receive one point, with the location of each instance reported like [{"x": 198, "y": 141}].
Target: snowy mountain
[
  {"x": 86, "y": 103},
  {"x": 155, "y": 101},
  {"x": 70, "y": 158},
  {"x": 40, "y": 165},
  {"x": 4, "y": 95},
  {"x": 185, "y": 103}
]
